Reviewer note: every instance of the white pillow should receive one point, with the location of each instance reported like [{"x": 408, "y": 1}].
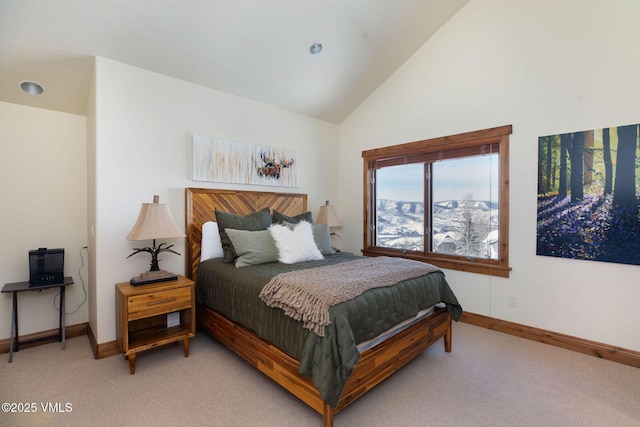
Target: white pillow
[
  {"x": 211, "y": 245},
  {"x": 295, "y": 245},
  {"x": 321, "y": 235}
]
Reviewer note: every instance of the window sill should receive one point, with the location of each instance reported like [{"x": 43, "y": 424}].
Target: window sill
[{"x": 447, "y": 262}]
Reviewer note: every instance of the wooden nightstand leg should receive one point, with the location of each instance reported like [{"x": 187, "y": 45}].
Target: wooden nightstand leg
[
  {"x": 132, "y": 363},
  {"x": 185, "y": 344}
]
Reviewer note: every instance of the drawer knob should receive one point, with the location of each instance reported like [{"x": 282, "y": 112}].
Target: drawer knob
[{"x": 161, "y": 301}]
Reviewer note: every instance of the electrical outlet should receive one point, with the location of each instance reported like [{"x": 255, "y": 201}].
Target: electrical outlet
[
  {"x": 173, "y": 319},
  {"x": 513, "y": 301}
]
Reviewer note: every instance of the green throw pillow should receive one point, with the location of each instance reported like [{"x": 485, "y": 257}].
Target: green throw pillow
[
  {"x": 253, "y": 247},
  {"x": 259, "y": 220},
  {"x": 280, "y": 218}
]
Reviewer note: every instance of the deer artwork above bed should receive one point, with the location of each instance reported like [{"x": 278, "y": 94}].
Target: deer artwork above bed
[{"x": 272, "y": 168}]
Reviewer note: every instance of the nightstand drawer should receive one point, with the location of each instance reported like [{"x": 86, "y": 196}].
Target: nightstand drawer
[{"x": 155, "y": 303}]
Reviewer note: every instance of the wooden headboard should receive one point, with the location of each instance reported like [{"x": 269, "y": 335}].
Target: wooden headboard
[{"x": 201, "y": 204}]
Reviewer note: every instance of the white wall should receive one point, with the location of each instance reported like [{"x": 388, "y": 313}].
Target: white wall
[
  {"x": 546, "y": 67},
  {"x": 143, "y": 127},
  {"x": 43, "y": 192},
  {"x": 91, "y": 199}
]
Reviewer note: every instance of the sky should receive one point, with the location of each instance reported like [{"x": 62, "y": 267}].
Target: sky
[{"x": 453, "y": 180}]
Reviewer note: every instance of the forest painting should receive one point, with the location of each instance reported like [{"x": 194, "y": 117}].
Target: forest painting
[{"x": 588, "y": 195}]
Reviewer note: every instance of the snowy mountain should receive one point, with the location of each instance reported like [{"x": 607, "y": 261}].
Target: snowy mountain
[{"x": 460, "y": 227}]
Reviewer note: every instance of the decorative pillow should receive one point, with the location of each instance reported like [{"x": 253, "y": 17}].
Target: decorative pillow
[
  {"x": 253, "y": 247},
  {"x": 295, "y": 245},
  {"x": 211, "y": 246},
  {"x": 259, "y": 220},
  {"x": 280, "y": 218},
  {"x": 321, "y": 235}
]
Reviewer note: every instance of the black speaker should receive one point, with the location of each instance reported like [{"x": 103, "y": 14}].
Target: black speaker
[{"x": 46, "y": 267}]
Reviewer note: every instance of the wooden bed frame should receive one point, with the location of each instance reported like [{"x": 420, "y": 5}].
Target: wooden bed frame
[{"x": 374, "y": 365}]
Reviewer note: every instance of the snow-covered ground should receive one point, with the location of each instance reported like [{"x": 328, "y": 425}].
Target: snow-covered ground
[{"x": 400, "y": 225}]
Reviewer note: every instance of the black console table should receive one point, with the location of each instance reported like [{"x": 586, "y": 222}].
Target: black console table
[{"x": 17, "y": 287}]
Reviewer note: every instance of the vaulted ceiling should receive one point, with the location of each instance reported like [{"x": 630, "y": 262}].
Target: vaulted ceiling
[{"x": 256, "y": 49}]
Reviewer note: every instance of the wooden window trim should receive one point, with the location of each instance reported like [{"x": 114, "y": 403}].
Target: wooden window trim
[{"x": 412, "y": 152}]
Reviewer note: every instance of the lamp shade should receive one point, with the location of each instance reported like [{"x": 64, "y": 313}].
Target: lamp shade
[
  {"x": 155, "y": 221},
  {"x": 328, "y": 216}
]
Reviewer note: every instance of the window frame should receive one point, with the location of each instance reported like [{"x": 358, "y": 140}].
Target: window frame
[{"x": 452, "y": 146}]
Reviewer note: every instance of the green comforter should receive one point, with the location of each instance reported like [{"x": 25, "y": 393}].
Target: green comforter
[{"x": 328, "y": 361}]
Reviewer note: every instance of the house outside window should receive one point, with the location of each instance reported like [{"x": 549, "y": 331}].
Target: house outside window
[{"x": 443, "y": 201}]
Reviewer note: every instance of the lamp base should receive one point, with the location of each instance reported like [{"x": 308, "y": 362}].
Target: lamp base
[{"x": 152, "y": 277}]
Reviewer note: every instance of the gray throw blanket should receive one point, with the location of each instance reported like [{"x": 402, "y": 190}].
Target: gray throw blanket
[{"x": 307, "y": 295}]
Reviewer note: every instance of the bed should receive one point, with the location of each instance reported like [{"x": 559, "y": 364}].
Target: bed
[{"x": 350, "y": 374}]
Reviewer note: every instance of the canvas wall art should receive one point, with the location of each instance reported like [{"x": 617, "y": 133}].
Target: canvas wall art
[
  {"x": 588, "y": 188},
  {"x": 220, "y": 160}
]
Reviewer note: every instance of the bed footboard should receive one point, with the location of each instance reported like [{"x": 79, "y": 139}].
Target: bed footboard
[{"x": 374, "y": 366}]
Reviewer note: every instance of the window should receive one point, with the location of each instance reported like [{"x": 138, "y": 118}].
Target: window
[{"x": 443, "y": 201}]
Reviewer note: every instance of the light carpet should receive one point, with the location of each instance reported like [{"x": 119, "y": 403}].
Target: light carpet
[{"x": 490, "y": 379}]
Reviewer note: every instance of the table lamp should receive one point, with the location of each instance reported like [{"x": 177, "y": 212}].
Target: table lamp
[
  {"x": 329, "y": 216},
  {"x": 154, "y": 222}
]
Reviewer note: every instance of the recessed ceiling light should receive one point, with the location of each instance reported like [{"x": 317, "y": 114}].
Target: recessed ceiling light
[
  {"x": 315, "y": 48},
  {"x": 32, "y": 88}
]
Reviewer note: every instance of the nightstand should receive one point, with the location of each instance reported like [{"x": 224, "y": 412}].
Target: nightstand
[{"x": 142, "y": 316}]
